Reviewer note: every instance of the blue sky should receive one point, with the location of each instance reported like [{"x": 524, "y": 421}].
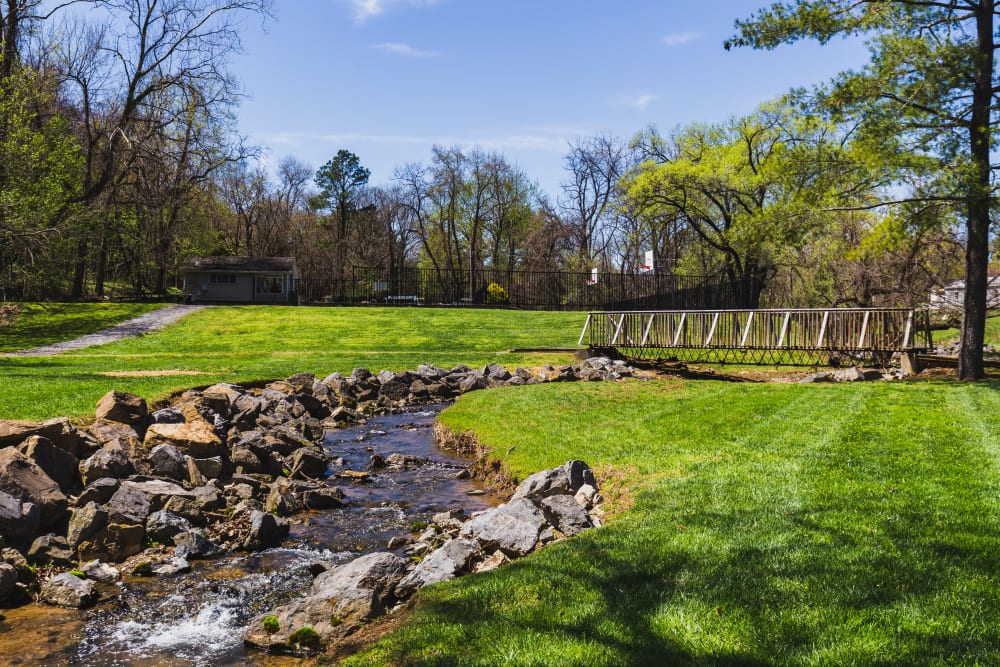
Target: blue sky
[{"x": 388, "y": 79}]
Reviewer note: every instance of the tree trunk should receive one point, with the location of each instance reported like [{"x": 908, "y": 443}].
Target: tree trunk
[{"x": 970, "y": 355}]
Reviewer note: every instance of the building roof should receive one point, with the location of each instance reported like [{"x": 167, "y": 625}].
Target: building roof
[{"x": 240, "y": 264}]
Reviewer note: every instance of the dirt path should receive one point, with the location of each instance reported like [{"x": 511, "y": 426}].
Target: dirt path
[{"x": 151, "y": 321}]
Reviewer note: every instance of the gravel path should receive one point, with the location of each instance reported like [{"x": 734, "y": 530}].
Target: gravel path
[{"x": 151, "y": 321}]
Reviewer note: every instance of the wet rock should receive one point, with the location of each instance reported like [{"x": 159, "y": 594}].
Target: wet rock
[
  {"x": 123, "y": 408},
  {"x": 168, "y": 568},
  {"x": 513, "y": 528},
  {"x": 85, "y": 523},
  {"x": 194, "y": 544},
  {"x": 22, "y": 478},
  {"x": 164, "y": 525},
  {"x": 198, "y": 439},
  {"x": 309, "y": 463},
  {"x": 401, "y": 461},
  {"x": 443, "y": 564},
  {"x": 19, "y": 520},
  {"x": 566, "y": 479},
  {"x": 168, "y": 461},
  {"x": 112, "y": 460},
  {"x": 68, "y": 590},
  {"x": 51, "y": 549},
  {"x": 565, "y": 514},
  {"x": 338, "y": 602},
  {"x": 266, "y": 530},
  {"x": 280, "y": 499},
  {"x": 59, "y": 465},
  {"x": 323, "y": 498},
  {"x": 98, "y": 571}
]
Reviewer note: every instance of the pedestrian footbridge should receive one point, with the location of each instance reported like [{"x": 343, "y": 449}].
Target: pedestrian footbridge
[{"x": 812, "y": 336}]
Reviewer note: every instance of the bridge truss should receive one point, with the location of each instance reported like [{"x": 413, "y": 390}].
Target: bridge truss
[{"x": 802, "y": 337}]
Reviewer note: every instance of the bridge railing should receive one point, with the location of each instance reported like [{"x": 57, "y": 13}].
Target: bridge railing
[{"x": 764, "y": 335}]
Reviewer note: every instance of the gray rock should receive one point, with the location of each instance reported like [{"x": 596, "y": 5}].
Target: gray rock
[
  {"x": 120, "y": 407},
  {"x": 565, "y": 514},
  {"x": 99, "y": 571},
  {"x": 111, "y": 460},
  {"x": 114, "y": 543},
  {"x": 163, "y": 526},
  {"x": 566, "y": 479},
  {"x": 8, "y": 581},
  {"x": 129, "y": 505},
  {"x": 86, "y": 522},
  {"x": 280, "y": 500},
  {"x": 266, "y": 530},
  {"x": 51, "y": 549},
  {"x": 513, "y": 528},
  {"x": 210, "y": 468},
  {"x": 168, "y": 461},
  {"x": 99, "y": 491},
  {"x": 339, "y": 601},
  {"x": 61, "y": 466},
  {"x": 175, "y": 565},
  {"x": 323, "y": 498},
  {"x": 19, "y": 520},
  {"x": 22, "y": 478},
  {"x": 68, "y": 590},
  {"x": 309, "y": 463},
  {"x": 448, "y": 561},
  {"x": 168, "y": 416},
  {"x": 194, "y": 544}
]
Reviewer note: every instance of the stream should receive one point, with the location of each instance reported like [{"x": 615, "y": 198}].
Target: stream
[{"x": 198, "y": 619}]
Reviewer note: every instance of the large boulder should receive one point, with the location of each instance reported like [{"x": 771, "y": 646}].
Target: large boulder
[
  {"x": 99, "y": 491},
  {"x": 339, "y": 601},
  {"x": 68, "y": 590},
  {"x": 22, "y": 478},
  {"x": 57, "y": 463},
  {"x": 157, "y": 491},
  {"x": 15, "y": 431},
  {"x": 442, "y": 564},
  {"x": 116, "y": 406},
  {"x": 196, "y": 439},
  {"x": 164, "y": 525},
  {"x": 566, "y": 514},
  {"x": 129, "y": 505},
  {"x": 566, "y": 479},
  {"x": 513, "y": 528}
]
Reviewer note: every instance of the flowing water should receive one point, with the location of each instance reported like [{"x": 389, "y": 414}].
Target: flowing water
[{"x": 199, "y": 618}]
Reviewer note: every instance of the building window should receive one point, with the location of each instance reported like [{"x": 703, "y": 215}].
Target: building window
[
  {"x": 271, "y": 285},
  {"x": 222, "y": 278}
]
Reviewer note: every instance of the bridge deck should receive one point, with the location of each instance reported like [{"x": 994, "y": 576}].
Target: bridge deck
[{"x": 778, "y": 336}]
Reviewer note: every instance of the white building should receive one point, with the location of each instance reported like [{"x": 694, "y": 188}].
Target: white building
[{"x": 952, "y": 295}]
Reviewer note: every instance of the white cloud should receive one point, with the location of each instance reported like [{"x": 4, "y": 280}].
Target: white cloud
[
  {"x": 405, "y": 50},
  {"x": 678, "y": 38},
  {"x": 367, "y": 9},
  {"x": 639, "y": 102}
]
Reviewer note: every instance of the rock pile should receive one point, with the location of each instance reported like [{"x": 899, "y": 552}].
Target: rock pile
[
  {"x": 216, "y": 471},
  {"x": 545, "y": 507}
]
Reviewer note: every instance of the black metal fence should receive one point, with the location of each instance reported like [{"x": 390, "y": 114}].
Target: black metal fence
[{"x": 525, "y": 290}]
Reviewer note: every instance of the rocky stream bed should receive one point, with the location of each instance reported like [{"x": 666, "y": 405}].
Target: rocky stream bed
[{"x": 238, "y": 523}]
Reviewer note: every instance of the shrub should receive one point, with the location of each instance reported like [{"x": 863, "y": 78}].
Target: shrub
[
  {"x": 495, "y": 294},
  {"x": 305, "y": 637}
]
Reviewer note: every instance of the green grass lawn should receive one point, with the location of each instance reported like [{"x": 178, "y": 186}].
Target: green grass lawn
[
  {"x": 774, "y": 524},
  {"x": 40, "y": 324},
  {"x": 991, "y": 335},
  {"x": 252, "y": 343},
  {"x": 850, "y": 524}
]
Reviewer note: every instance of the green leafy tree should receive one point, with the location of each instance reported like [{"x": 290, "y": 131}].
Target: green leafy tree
[
  {"x": 747, "y": 188},
  {"x": 930, "y": 89},
  {"x": 341, "y": 182}
]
